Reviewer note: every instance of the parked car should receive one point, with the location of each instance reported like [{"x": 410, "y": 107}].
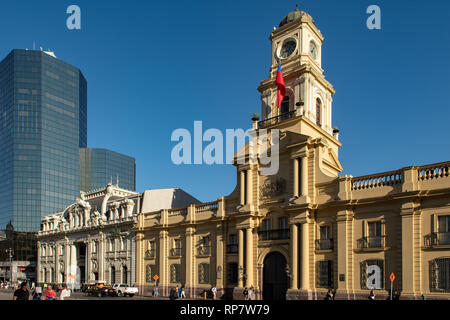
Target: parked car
[
  {"x": 101, "y": 291},
  {"x": 123, "y": 290}
]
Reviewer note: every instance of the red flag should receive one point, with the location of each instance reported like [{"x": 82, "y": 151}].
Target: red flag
[{"x": 281, "y": 92}]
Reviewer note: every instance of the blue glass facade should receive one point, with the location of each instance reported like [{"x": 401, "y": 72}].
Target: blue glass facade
[
  {"x": 43, "y": 123},
  {"x": 100, "y": 166}
]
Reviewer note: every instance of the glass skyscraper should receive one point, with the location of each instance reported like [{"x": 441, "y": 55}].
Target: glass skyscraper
[
  {"x": 43, "y": 125},
  {"x": 98, "y": 166}
]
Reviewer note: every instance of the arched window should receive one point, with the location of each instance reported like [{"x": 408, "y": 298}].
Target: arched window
[
  {"x": 440, "y": 274},
  {"x": 203, "y": 273},
  {"x": 285, "y": 105},
  {"x": 318, "y": 112}
]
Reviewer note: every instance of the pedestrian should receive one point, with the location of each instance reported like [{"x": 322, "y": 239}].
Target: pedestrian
[
  {"x": 37, "y": 293},
  {"x": 214, "y": 292},
  {"x": 250, "y": 293},
  {"x": 65, "y": 293},
  {"x": 173, "y": 294},
  {"x": 371, "y": 295},
  {"x": 177, "y": 291},
  {"x": 183, "y": 292},
  {"x": 329, "y": 295},
  {"x": 156, "y": 293},
  {"x": 22, "y": 293},
  {"x": 50, "y": 294},
  {"x": 245, "y": 293}
]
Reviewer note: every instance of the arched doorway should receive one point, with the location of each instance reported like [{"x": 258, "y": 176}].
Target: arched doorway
[{"x": 275, "y": 282}]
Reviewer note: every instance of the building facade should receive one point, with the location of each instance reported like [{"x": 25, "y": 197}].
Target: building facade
[
  {"x": 43, "y": 123},
  {"x": 306, "y": 229},
  {"x": 93, "y": 239},
  {"x": 98, "y": 166}
]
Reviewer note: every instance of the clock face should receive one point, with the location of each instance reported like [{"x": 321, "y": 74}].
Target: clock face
[
  {"x": 313, "y": 50},
  {"x": 288, "y": 48}
]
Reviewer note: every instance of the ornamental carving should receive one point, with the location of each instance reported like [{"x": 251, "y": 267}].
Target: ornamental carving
[{"x": 272, "y": 188}]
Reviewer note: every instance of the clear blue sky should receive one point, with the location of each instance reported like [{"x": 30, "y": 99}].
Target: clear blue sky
[{"x": 153, "y": 67}]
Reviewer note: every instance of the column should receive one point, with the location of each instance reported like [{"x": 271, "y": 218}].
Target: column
[
  {"x": 241, "y": 256},
  {"x": 295, "y": 165},
  {"x": 163, "y": 274},
  {"x": 410, "y": 268},
  {"x": 304, "y": 174},
  {"x": 38, "y": 265},
  {"x": 100, "y": 258},
  {"x": 189, "y": 261},
  {"x": 219, "y": 256},
  {"x": 249, "y": 187},
  {"x": 294, "y": 256},
  {"x": 249, "y": 258},
  {"x": 242, "y": 186},
  {"x": 305, "y": 257}
]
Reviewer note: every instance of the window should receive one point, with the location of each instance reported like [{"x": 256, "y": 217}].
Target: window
[
  {"x": 283, "y": 223},
  {"x": 204, "y": 246},
  {"x": 285, "y": 105},
  {"x": 176, "y": 250},
  {"x": 150, "y": 252},
  {"x": 372, "y": 274},
  {"x": 203, "y": 273},
  {"x": 266, "y": 229},
  {"x": 112, "y": 274},
  {"x": 233, "y": 247},
  {"x": 318, "y": 112},
  {"x": 375, "y": 237},
  {"x": 232, "y": 273},
  {"x": 440, "y": 274},
  {"x": 325, "y": 276},
  {"x": 175, "y": 273},
  {"x": 150, "y": 272},
  {"x": 325, "y": 242},
  {"x": 443, "y": 230},
  {"x": 124, "y": 274}
]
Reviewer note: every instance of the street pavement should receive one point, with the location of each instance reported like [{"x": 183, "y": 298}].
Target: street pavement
[{"x": 8, "y": 295}]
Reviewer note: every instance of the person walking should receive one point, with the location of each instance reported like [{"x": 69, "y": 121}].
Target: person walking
[
  {"x": 183, "y": 292},
  {"x": 50, "y": 294},
  {"x": 176, "y": 292},
  {"x": 65, "y": 293},
  {"x": 214, "y": 292},
  {"x": 245, "y": 293},
  {"x": 250, "y": 293},
  {"x": 371, "y": 295},
  {"x": 22, "y": 293},
  {"x": 329, "y": 295},
  {"x": 156, "y": 293}
]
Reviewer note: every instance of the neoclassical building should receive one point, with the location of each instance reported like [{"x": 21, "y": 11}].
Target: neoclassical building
[
  {"x": 93, "y": 240},
  {"x": 295, "y": 234}
]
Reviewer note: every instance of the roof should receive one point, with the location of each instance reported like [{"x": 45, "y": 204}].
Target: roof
[{"x": 158, "y": 199}]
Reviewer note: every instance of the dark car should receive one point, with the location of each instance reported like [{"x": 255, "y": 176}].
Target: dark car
[{"x": 101, "y": 291}]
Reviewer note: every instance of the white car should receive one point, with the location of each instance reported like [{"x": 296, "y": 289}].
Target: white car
[{"x": 123, "y": 290}]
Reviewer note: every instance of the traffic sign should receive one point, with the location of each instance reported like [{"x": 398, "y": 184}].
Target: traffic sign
[
  {"x": 155, "y": 277},
  {"x": 392, "y": 277}
]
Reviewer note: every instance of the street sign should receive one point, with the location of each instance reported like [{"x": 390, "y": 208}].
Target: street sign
[
  {"x": 155, "y": 277},
  {"x": 392, "y": 277}
]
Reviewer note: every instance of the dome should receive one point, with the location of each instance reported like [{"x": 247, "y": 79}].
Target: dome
[{"x": 296, "y": 15}]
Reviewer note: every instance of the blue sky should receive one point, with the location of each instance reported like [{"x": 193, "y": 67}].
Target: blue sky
[{"x": 153, "y": 67}]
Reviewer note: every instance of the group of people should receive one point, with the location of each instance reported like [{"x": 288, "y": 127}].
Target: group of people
[
  {"x": 49, "y": 294},
  {"x": 177, "y": 293},
  {"x": 248, "y": 293}
]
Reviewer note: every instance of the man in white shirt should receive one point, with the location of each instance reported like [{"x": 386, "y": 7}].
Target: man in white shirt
[{"x": 65, "y": 293}]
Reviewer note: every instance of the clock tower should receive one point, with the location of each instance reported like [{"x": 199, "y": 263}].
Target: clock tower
[{"x": 297, "y": 44}]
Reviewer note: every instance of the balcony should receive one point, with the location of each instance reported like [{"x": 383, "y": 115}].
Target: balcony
[
  {"x": 277, "y": 119},
  {"x": 371, "y": 243},
  {"x": 149, "y": 254},
  {"x": 175, "y": 252},
  {"x": 280, "y": 234},
  {"x": 324, "y": 244},
  {"x": 232, "y": 248},
  {"x": 204, "y": 251},
  {"x": 436, "y": 239}
]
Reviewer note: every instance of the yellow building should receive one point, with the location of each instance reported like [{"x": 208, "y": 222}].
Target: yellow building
[{"x": 306, "y": 229}]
